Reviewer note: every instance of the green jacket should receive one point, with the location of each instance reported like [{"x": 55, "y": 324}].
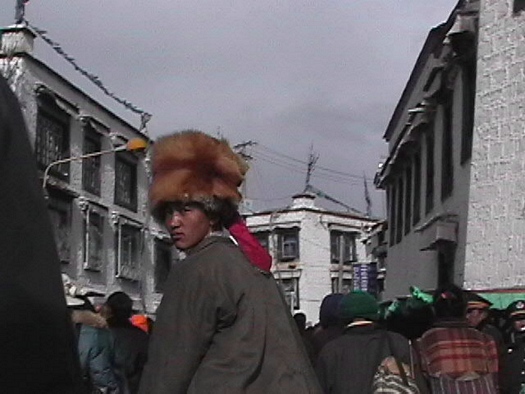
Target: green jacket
[{"x": 223, "y": 327}]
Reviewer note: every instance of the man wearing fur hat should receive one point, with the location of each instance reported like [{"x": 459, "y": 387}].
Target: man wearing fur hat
[{"x": 222, "y": 326}]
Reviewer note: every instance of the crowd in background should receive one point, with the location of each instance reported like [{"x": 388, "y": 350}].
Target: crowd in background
[{"x": 450, "y": 342}]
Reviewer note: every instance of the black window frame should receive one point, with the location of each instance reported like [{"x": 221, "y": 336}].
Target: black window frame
[
  {"x": 49, "y": 112},
  {"x": 130, "y": 271},
  {"x": 93, "y": 221},
  {"x": 91, "y": 167},
  {"x": 349, "y": 241},
  {"x": 518, "y": 6},
  {"x": 163, "y": 263},
  {"x": 416, "y": 208},
  {"x": 399, "y": 210},
  {"x": 430, "y": 169},
  {"x": 392, "y": 198},
  {"x": 469, "y": 102},
  {"x": 408, "y": 200},
  {"x": 447, "y": 153},
  {"x": 284, "y": 236},
  {"x": 126, "y": 159},
  {"x": 62, "y": 204}
]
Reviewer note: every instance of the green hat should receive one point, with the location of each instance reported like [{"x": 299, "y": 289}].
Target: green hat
[{"x": 358, "y": 305}]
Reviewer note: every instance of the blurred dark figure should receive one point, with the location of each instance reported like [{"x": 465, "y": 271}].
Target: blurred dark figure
[
  {"x": 130, "y": 343},
  {"x": 347, "y": 364},
  {"x": 38, "y": 348},
  {"x": 411, "y": 318},
  {"x": 330, "y": 324},
  {"x": 456, "y": 358},
  {"x": 306, "y": 335},
  {"x": 514, "y": 367}
]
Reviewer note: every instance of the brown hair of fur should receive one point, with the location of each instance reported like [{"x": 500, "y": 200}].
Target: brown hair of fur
[{"x": 192, "y": 166}]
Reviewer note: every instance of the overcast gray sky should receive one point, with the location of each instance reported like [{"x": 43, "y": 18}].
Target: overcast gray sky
[{"x": 284, "y": 74}]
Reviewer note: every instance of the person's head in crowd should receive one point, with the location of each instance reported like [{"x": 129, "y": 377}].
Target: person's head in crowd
[
  {"x": 117, "y": 308},
  {"x": 516, "y": 314},
  {"x": 477, "y": 309},
  {"x": 329, "y": 310},
  {"x": 357, "y": 306},
  {"x": 449, "y": 302},
  {"x": 195, "y": 185},
  {"x": 300, "y": 321}
]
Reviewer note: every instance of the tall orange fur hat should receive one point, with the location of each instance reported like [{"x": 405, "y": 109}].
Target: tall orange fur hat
[{"x": 192, "y": 166}]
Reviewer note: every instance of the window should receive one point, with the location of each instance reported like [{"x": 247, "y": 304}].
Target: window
[
  {"x": 93, "y": 250},
  {"x": 447, "y": 164},
  {"x": 345, "y": 288},
  {"x": 163, "y": 259},
  {"x": 429, "y": 192},
  {"x": 91, "y": 166},
  {"x": 391, "y": 195},
  {"x": 342, "y": 244},
  {"x": 126, "y": 181},
  {"x": 59, "y": 210},
  {"x": 290, "y": 289},
  {"x": 263, "y": 238},
  {"x": 408, "y": 199},
  {"x": 52, "y": 137},
  {"x": 288, "y": 248},
  {"x": 128, "y": 243},
  {"x": 417, "y": 189},
  {"x": 469, "y": 98},
  {"x": 399, "y": 218},
  {"x": 519, "y": 5}
]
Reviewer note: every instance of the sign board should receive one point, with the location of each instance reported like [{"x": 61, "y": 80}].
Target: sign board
[{"x": 365, "y": 277}]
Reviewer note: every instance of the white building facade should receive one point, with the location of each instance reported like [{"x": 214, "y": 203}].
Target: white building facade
[
  {"x": 314, "y": 251},
  {"x": 98, "y": 206},
  {"x": 496, "y": 224},
  {"x": 427, "y": 173}
]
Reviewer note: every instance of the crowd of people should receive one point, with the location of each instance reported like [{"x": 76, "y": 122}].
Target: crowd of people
[{"x": 454, "y": 344}]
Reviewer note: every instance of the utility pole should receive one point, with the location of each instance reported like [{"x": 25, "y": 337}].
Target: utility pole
[
  {"x": 20, "y": 11},
  {"x": 240, "y": 149},
  {"x": 312, "y": 160}
]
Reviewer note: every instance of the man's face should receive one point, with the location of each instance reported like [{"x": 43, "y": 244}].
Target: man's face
[
  {"x": 187, "y": 224},
  {"x": 519, "y": 325},
  {"x": 475, "y": 316}
]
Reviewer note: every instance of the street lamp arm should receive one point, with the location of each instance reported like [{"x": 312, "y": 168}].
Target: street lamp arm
[{"x": 134, "y": 144}]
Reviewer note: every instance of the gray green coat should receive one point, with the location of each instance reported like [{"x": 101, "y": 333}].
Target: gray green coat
[{"x": 223, "y": 327}]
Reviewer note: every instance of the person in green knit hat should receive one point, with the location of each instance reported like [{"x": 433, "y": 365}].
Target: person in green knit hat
[{"x": 348, "y": 364}]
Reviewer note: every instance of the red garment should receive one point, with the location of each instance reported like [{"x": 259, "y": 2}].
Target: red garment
[
  {"x": 455, "y": 351},
  {"x": 249, "y": 245}
]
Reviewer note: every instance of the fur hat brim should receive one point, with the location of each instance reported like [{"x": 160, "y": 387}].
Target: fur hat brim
[{"x": 192, "y": 166}]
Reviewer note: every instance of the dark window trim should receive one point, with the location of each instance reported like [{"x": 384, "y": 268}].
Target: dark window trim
[
  {"x": 92, "y": 136},
  {"x": 399, "y": 213},
  {"x": 161, "y": 273},
  {"x": 429, "y": 187},
  {"x": 469, "y": 101},
  {"x": 447, "y": 153},
  {"x": 416, "y": 215},
  {"x": 392, "y": 196},
  {"x": 408, "y": 199},
  {"x": 518, "y": 6},
  {"x": 130, "y": 160},
  {"x": 280, "y": 245},
  {"x": 47, "y": 108}
]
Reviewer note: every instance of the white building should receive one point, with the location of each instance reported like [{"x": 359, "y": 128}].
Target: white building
[
  {"x": 98, "y": 206},
  {"x": 496, "y": 222},
  {"x": 427, "y": 172},
  {"x": 314, "y": 250},
  {"x": 454, "y": 174}
]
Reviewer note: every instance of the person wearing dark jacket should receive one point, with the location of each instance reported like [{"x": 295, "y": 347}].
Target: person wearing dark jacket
[
  {"x": 38, "y": 349},
  {"x": 346, "y": 365},
  {"x": 330, "y": 325},
  {"x": 223, "y": 325},
  {"x": 129, "y": 342}
]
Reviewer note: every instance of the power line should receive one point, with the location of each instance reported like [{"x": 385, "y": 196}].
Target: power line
[
  {"x": 326, "y": 169},
  {"x": 144, "y": 116}
]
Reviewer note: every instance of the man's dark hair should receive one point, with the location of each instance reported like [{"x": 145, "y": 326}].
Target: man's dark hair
[
  {"x": 449, "y": 302},
  {"x": 121, "y": 305}
]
